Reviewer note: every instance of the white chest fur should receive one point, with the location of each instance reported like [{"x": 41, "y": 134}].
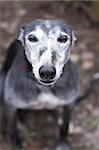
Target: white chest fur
[{"x": 49, "y": 101}]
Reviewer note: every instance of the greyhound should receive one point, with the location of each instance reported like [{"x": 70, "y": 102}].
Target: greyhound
[{"x": 40, "y": 75}]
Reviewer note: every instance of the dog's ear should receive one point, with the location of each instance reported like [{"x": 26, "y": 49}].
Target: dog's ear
[
  {"x": 73, "y": 38},
  {"x": 11, "y": 54},
  {"x": 21, "y": 36}
]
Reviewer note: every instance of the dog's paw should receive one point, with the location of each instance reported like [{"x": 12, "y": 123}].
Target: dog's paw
[{"x": 62, "y": 146}]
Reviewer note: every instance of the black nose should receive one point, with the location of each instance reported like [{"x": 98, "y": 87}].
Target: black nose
[{"x": 47, "y": 72}]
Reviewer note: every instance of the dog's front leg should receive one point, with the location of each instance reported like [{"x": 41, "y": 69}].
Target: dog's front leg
[
  {"x": 63, "y": 118},
  {"x": 9, "y": 126},
  {"x": 12, "y": 120},
  {"x": 16, "y": 140}
]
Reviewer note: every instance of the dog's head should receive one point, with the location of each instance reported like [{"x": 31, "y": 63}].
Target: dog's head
[{"x": 47, "y": 47}]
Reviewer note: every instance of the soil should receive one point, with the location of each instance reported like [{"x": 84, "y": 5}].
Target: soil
[{"x": 41, "y": 131}]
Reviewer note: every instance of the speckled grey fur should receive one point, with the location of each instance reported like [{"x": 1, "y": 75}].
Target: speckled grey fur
[
  {"x": 22, "y": 88},
  {"x": 22, "y": 91}
]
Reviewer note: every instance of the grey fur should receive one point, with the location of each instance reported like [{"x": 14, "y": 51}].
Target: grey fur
[
  {"x": 20, "y": 95},
  {"x": 22, "y": 86}
]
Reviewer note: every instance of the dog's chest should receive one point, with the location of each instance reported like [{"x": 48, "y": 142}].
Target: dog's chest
[
  {"x": 29, "y": 96},
  {"x": 42, "y": 100},
  {"x": 24, "y": 95},
  {"x": 47, "y": 101}
]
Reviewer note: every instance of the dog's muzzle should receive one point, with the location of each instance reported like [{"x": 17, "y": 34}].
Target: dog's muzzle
[{"x": 47, "y": 74}]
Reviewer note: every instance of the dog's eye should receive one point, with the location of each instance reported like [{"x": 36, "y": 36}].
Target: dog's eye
[
  {"x": 32, "y": 38},
  {"x": 62, "y": 39}
]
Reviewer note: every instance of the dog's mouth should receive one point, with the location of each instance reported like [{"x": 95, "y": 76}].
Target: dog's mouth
[{"x": 47, "y": 82}]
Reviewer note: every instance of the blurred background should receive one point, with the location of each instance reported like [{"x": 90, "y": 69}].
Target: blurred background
[{"x": 41, "y": 132}]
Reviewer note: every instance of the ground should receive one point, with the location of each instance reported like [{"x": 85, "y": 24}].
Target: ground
[{"x": 42, "y": 132}]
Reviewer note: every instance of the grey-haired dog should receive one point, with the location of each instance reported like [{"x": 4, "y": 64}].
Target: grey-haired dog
[{"x": 39, "y": 75}]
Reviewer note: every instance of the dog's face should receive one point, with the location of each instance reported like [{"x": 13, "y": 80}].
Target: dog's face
[{"x": 47, "y": 47}]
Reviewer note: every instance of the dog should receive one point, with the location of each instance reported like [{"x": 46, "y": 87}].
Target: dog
[{"x": 40, "y": 75}]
